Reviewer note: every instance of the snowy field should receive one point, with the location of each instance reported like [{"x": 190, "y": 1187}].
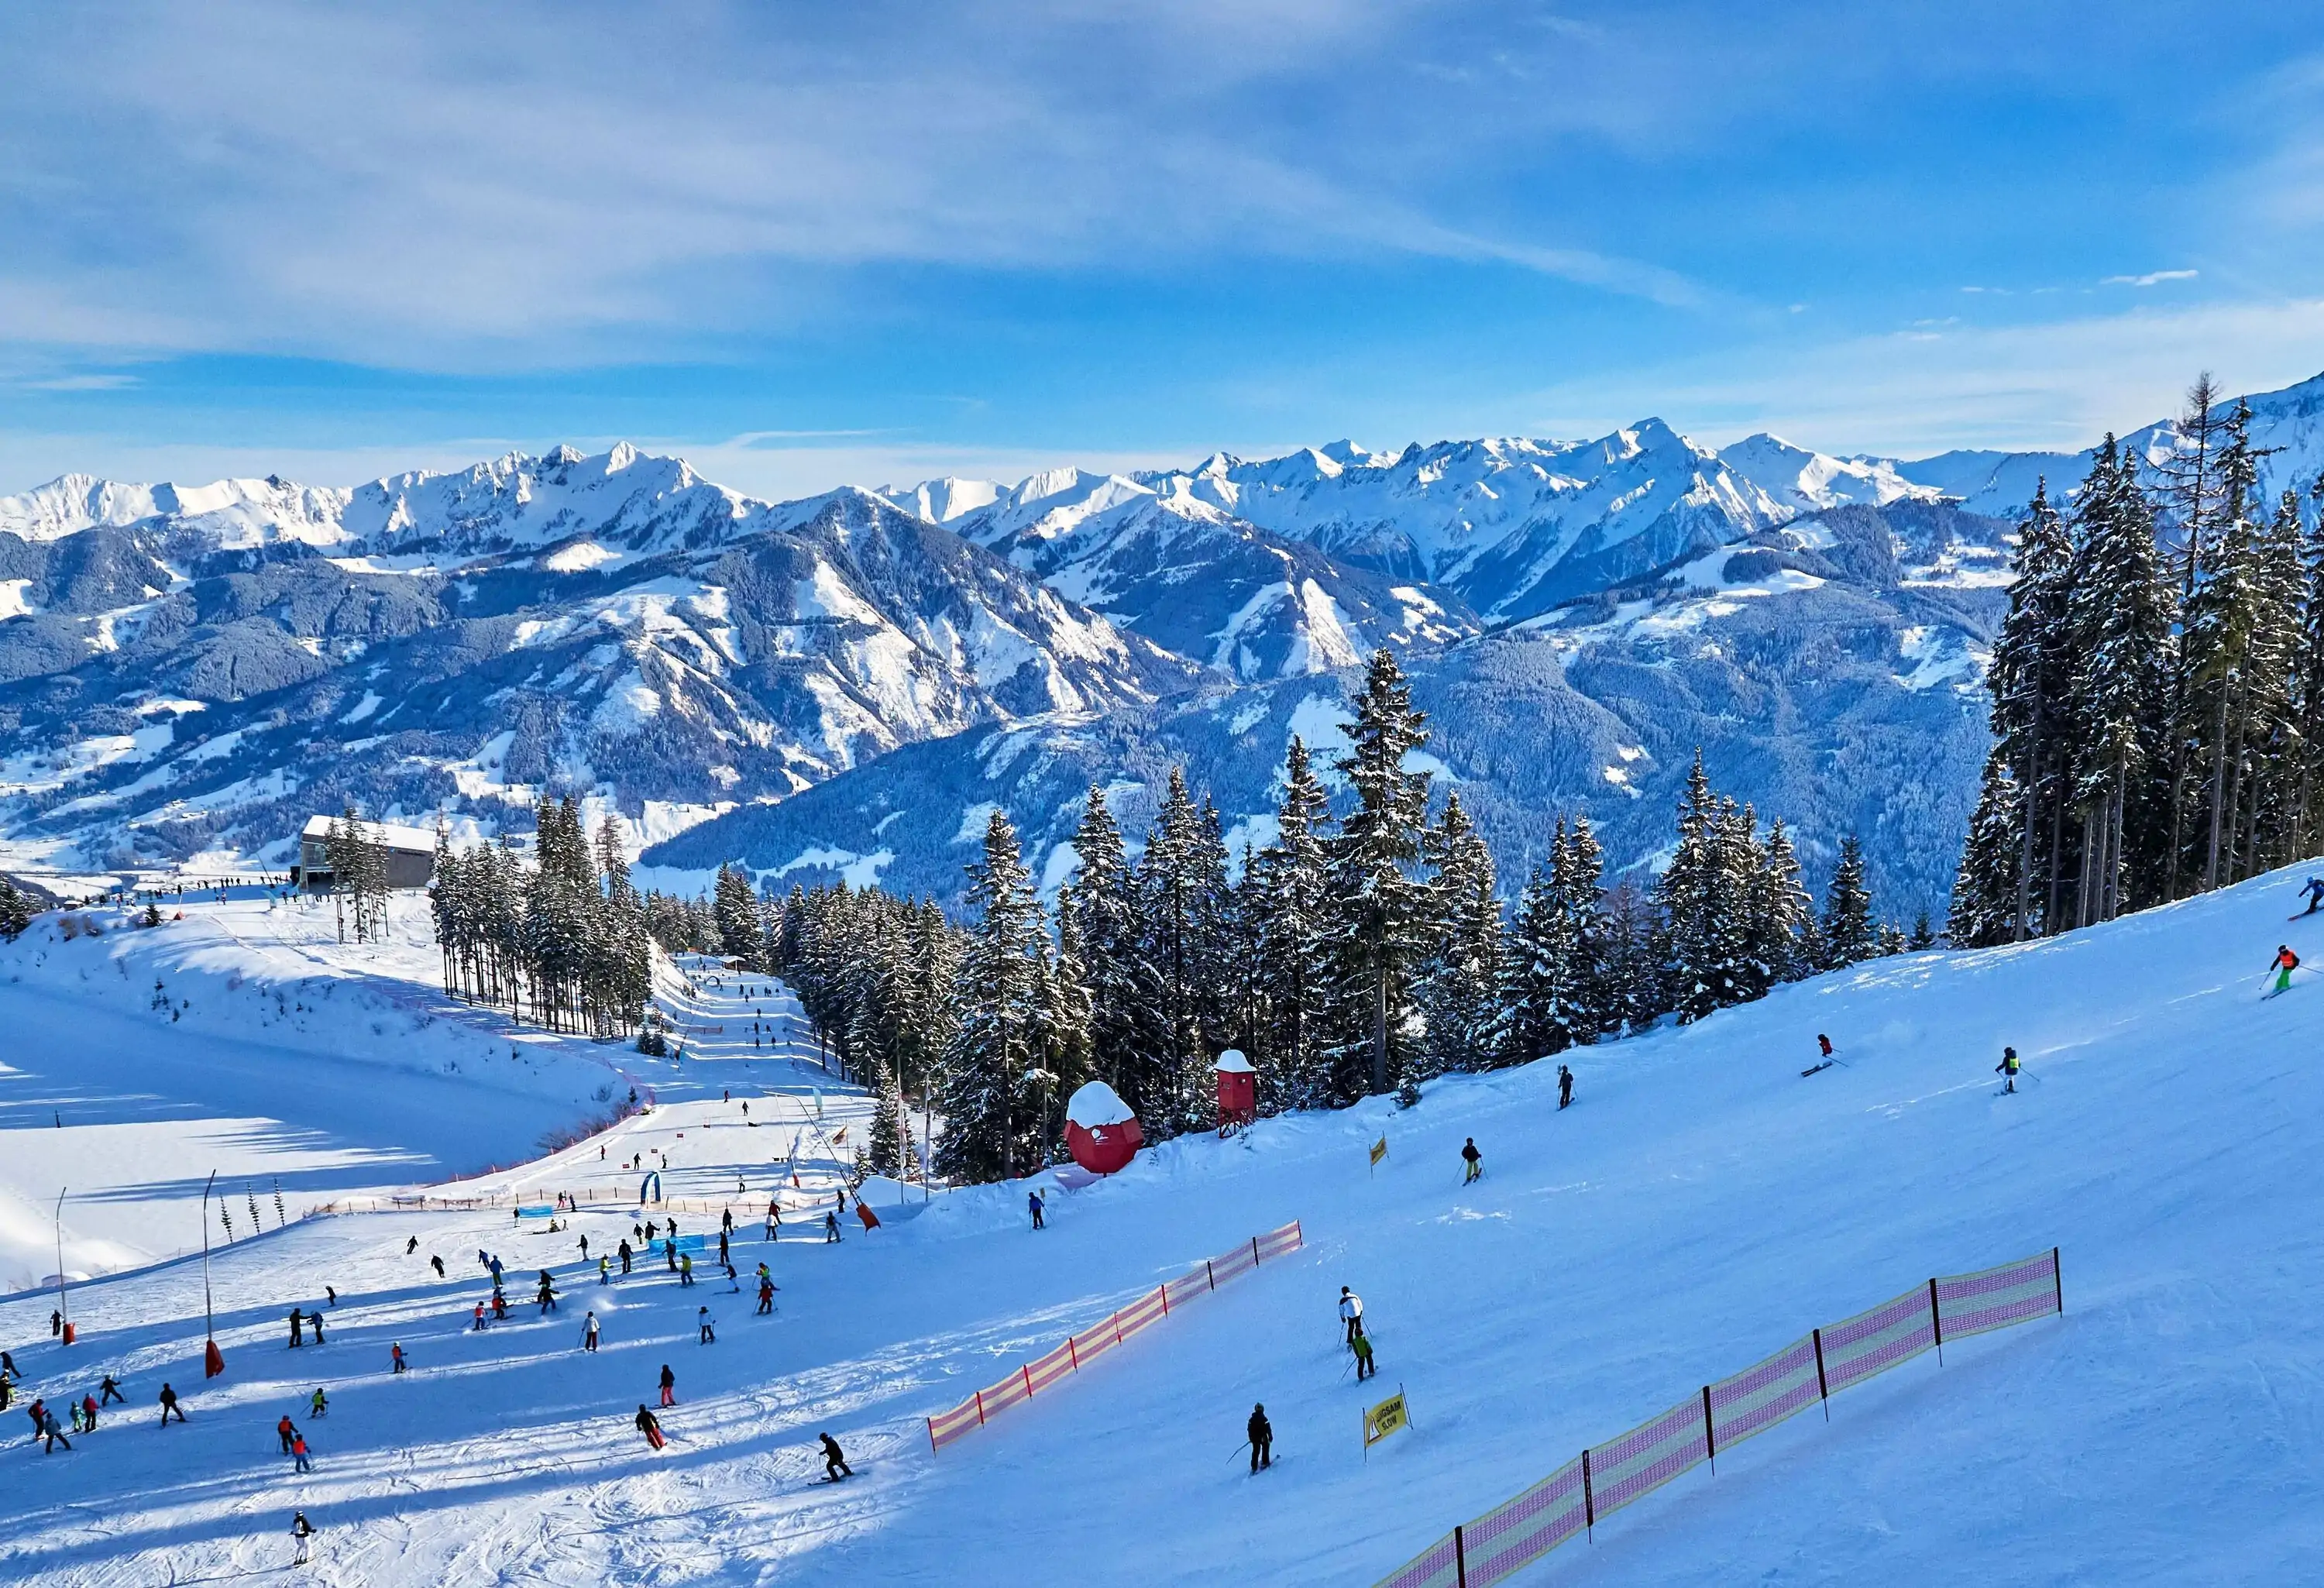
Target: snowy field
[{"x": 1701, "y": 1204}]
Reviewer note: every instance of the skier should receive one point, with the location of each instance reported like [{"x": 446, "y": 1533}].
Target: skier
[
  {"x": 670, "y": 1255},
  {"x": 604, "y": 1273},
  {"x": 835, "y": 1461},
  {"x": 8, "y": 1366},
  {"x": 830, "y": 1228},
  {"x": 722, "y": 1257},
  {"x": 774, "y": 1219},
  {"x": 412, "y": 1246},
  {"x": 297, "y": 1318},
  {"x": 500, "y": 1308},
  {"x": 298, "y": 1453},
  {"x": 495, "y": 1265},
  {"x": 2007, "y": 1069},
  {"x": 685, "y": 1270},
  {"x": 1565, "y": 1086},
  {"x": 589, "y": 1331},
  {"x": 1824, "y": 1043},
  {"x": 766, "y": 1293},
  {"x": 1351, "y": 1313},
  {"x": 1475, "y": 1159},
  {"x": 332, "y": 1297},
  {"x": 37, "y": 1411},
  {"x": 651, "y": 1426},
  {"x": 317, "y": 1406},
  {"x": 395, "y": 1356},
  {"x": 2284, "y": 964},
  {"x": 2314, "y": 888},
  {"x": 439, "y": 1265},
  {"x": 73, "y": 1406},
  {"x": 726, "y": 1218},
  {"x": 1362, "y": 1346},
  {"x": 702, "y": 1322},
  {"x": 169, "y": 1399},
  {"x": 548, "y": 1297},
  {"x": 585, "y": 1249},
  {"x": 625, "y": 1258},
  {"x": 300, "y": 1531},
  {"x": 284, "y": 1431},
  {"x": 1262, "y": 1437},
  {"x": 315, "y": 1322},
  {"x": 1033, "y": 1207},
  {"x": 56, "y": 1325},
  {"x": 89, "y": 1412},
  {"x": 668, "y": 1386},
  {"x": 56, "y": 1435},
  {"x": 479, "y": 1324}
]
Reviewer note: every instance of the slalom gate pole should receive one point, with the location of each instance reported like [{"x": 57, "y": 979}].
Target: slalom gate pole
[
  {"x": 1936, "y": 1322},
  {"x": 1588, "y": 1501},
  {"x": 1460, "y": 1559},
  {"x": 1710, "y": 1439},
  {"x": 2058, "y": 1279}
]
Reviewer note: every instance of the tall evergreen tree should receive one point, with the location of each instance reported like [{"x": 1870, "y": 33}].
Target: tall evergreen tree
[
  {"x": 1849, "y": 934},
  {"x": 1465, "y": 1024},
  {"x": 1373, "y": 891},
  {"x": 1296, "y": 937},
  {"x": 990, "y": 1131}
]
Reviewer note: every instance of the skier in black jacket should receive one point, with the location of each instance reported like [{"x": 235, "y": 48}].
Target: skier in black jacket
[
  {"x": 1263, "y": 1439},
  {"x": 835, "y": 1463}
]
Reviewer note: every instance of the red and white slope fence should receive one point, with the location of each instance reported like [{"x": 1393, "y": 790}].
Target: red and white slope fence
[{"x": 1028, "y": 1380}]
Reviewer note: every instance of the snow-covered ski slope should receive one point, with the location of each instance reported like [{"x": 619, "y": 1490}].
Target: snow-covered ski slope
[
  {"x": 1700, "y": 1204},
  {"x": 243, "y": 1037}
]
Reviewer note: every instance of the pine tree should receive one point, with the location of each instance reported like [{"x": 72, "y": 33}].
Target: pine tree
[
  {"x": 737, "y": 906},
  {"x": 1373, "y": 893},
  {"x": 1465, "y": 1025},
  {"x": 1985, "y": 893},
  {"x": 2030, "y": 679},
  {"x": 1703, "y": 895},
  {"x": 1125, "y": 1023},
  {"x": 990, "y": 1131},
  {"x": 1778, "y": 913},
  {"x": 1848, "y": 935},
  {"x": 1296, "y": 941}
]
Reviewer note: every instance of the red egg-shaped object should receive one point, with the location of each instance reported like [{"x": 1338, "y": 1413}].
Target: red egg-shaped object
[{"x": 1100, "y": 1131}]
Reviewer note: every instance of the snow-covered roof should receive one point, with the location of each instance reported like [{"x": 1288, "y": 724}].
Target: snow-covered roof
[
  {"x": 1096, "y": 1104},
  {"x": 1234, "y": 1062},
  {"x": 319, "y": 827}
]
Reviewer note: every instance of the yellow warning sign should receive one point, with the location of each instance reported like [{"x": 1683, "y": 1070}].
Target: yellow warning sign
[
  {"x": 1385, "y": 1419},
  {"x": 1379, "y": 1152}
]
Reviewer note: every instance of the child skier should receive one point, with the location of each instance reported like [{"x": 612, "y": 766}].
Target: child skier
[
  {"x": 395, "y": 1356},
  {"x": 169, "y": 1399},
  {"x": 317, "y": 1406},
  {"x": 1362, "y": 1346},
  {"x": 1475, "y": 1159},
  {"x": 2007, "y": 1069},
  {"x": 2285, "y": 962},
  {"x": 651, "y": 1426},
  {"x": 299, "y": 1454},
  {"x": 1033, "y": 1206},
  {"x": 668, "y": 1386},
  {"x": 835, "y": 1461},
  {"x": 1565, "y": 1086},
  {"x": 88, "y": 1413}
]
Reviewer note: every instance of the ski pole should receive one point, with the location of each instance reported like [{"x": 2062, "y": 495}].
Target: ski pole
[{"x": 1240, "y": 1449}]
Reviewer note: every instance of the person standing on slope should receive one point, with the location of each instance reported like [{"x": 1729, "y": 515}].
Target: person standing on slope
[
  {"x": 395, "y": 1357},
  {"x": 2007, "y": 1069},
  {"x": 301, "y": 1529},
  {"x": 1362, "y": 1346},
  {"x": 702, "y": 1323},
  {"x": 830, "y": 1228},
  {"x": 299, "y": 1454},
  {"x": 651, "y": 1426},
  {"x": 668, "y": 1386},
  {"x": 766, "y": 1292},
  {"x": 109, "y": 1391},
  {"x": 1262, "y": 1437},
  {"x": 56, "y": 1435},
  {"x": 1565, "y": 1087},
  {"x": 835, "y": 1461},
  {"x": 89, "y": 1412},
  {"x": 2284, "y": 964},
  {"x": 1351, "y": 1313},
  {"x": 1033, "y": 1207},
  {"x": 589, "y": 1331},
  {"x": 298, "y": 1320},
  {"x": 1475, "y": 1160},
  {"x": 169, "y": 1399}
]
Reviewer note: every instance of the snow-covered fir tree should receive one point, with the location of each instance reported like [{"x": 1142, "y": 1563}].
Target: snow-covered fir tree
[
  {"x": 1374, "y": 894},
  {"x": 1463, "y": 1018},
  {"x": 991, "y": 1127},
  {"x": 1849, "y": 935}
]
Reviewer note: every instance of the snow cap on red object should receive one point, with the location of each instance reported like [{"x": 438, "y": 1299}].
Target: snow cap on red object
[
  {"x": 1234, "y": 1064},
  {"x": 1097, "y": 1104}
]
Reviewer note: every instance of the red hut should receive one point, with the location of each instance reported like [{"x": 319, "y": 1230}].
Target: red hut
[
  {"x": 1238, "y": 1091},
  {"x": 1100, "y": 1131}
]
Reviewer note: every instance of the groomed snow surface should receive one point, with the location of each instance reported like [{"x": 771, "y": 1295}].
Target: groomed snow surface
[{"x": 1700, "y": 1204}]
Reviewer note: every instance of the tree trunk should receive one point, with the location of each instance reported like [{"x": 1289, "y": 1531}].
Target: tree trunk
[{"x": 2218, "y": 787}]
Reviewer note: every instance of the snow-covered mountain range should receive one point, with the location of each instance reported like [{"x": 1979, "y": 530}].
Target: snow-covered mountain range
[{"x": 841, "y": 684}]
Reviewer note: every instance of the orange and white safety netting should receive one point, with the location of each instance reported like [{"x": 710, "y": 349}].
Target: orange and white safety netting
[
  {"x": 1605, "y": 1477},
  {"x": 1030, "y": 1379}
]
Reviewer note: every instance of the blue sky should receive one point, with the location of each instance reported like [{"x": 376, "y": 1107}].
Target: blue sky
[{"x": 804, "y": 245}]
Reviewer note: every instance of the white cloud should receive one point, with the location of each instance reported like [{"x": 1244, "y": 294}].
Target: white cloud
[{"x": 2151, "y": 279}]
